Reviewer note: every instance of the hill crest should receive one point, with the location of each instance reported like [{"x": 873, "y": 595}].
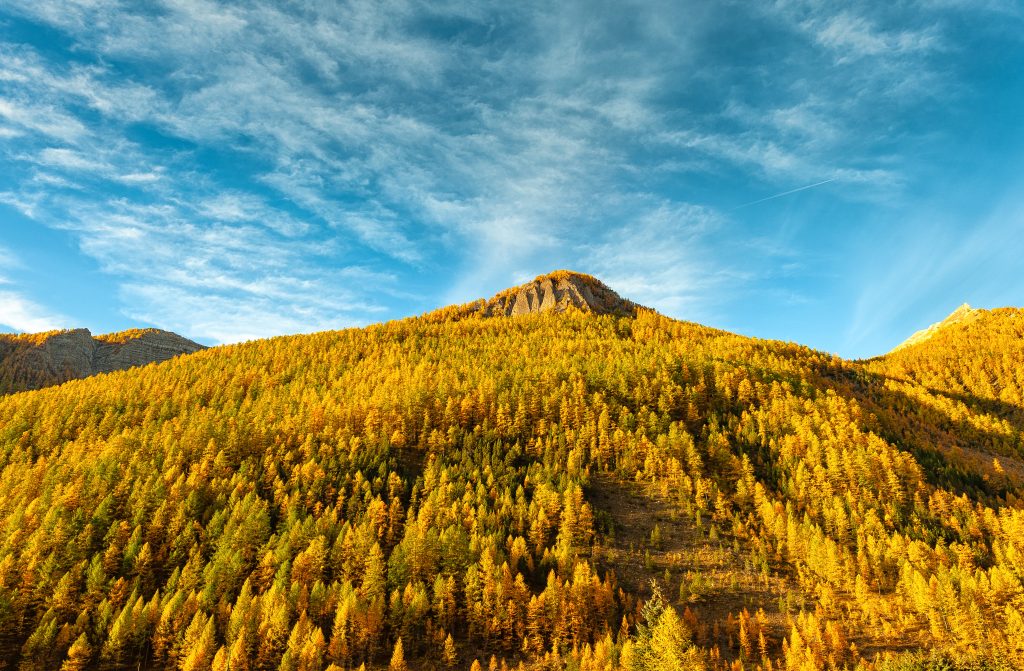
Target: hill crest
[
  {"x": 962, "y": 314},
  {"x": 558, "y": 291}
]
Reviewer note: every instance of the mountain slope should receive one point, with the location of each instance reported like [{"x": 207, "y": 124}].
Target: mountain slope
[
  {"x": 31, "y": 361},
  {"x": 972, "y": 352},
  {"x": 970, "y": 372},
  {"x": 572, "y": 488}
]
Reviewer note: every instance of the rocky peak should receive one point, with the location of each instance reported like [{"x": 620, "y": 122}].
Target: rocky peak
[{"x": 558, "y": 292}]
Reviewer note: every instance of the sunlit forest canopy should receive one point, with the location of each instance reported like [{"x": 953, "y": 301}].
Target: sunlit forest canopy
[{"x": 554, "y": 490}]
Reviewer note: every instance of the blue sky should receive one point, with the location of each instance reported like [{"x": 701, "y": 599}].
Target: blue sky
[{"x": 239, "y": 170}]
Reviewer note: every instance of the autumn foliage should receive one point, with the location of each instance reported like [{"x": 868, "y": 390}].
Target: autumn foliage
[{"x": 446, "y": 493}]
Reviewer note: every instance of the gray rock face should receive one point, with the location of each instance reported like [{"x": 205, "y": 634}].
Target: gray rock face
[
  {"x": 558, "y": 292},
  {"x": 148, "y": 348},
  {"x": 69, "y": 354},
  {"x": 31, "y": 364}
]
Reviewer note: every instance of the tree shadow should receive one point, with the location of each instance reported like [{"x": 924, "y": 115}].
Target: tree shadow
[{"x": 954, "y": 453}]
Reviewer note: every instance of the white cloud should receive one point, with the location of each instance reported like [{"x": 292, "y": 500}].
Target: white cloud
[
  {"x": 84, "y": 85},
  {"x": 855, "y": 37},
  {"x": 21, "y": 314},
  {"x": 223, "y": 319},
  {"x": 240, "y": 206},
  {"x": 140, "y": 177},
  {"x": 18, "y": 312},
  {"x": 661, "y": 260},
  {"x": 43, "y": 119},
  {"x": 183, "y": 275},
  {"x": 68, "y": 159},
  {"x": 25, "y": 203},
  {"x": 8, "y": 261}
]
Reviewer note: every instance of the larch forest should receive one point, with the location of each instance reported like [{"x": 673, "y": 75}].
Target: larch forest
[{"x": 590, "y": 487}]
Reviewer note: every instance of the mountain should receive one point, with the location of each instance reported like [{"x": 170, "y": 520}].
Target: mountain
[
  {"x": 964, "y": 313},
  {"x": 596, "y": 488},
  {"x": 31, "y": 361}
]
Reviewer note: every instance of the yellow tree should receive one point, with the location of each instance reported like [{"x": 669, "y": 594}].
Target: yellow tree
[{"x": 398, "y": 658}]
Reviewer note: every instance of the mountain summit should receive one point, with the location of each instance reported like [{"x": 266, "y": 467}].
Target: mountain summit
[
  {"x": 962, "y": 314},
  {"x": 557, "y": 292}
]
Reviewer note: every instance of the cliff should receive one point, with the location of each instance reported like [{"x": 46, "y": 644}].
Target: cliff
[{"x": 38, "y": 360}]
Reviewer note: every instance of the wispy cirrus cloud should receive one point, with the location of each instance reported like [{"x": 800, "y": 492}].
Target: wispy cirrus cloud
[
  {"x": 39, "y": 118},
  {"x": 852, "y": 37},
  {"x": 660, "y": 260},
  {"x": 68, "y": 159},
  {"x": 270, "y": 282},
  {"x": 253, "y": 154}
]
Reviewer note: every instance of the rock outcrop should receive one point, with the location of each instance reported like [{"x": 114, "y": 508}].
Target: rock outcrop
[
  {"x": 557, "y": 292},
  {"x": 39, "y": 360}
]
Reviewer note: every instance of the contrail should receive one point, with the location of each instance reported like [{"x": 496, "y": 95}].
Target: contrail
[{"x": 786, "y": 193}]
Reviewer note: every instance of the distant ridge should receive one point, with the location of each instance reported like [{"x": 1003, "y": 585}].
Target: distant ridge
[
  {"x": 962, "y": 314},
  {"x": 558, "y": 291},
  {"x": 35, "y": 360}
]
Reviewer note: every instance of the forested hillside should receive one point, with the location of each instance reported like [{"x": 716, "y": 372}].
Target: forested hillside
[
  {"x": 967, "y": 378},
  {"x": 556, "y": 490}
]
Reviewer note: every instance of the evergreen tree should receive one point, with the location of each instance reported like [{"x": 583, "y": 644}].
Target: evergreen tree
[
  {"x": 398, "y": 658},
  {"x": 79, "y": 656}
]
